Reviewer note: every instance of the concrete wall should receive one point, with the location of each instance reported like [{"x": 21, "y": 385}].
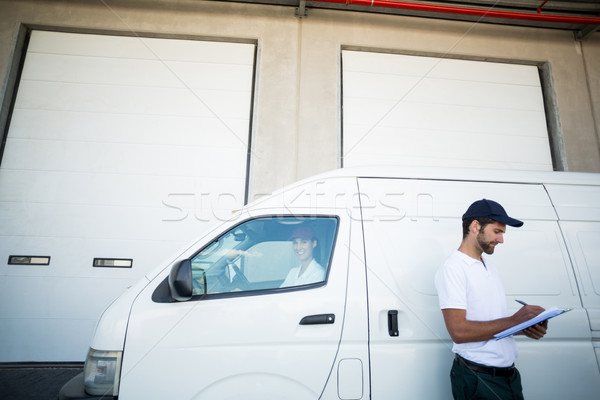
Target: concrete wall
[
  {"x": 590, "y": 50},
  {"x": 297, "y": 117}
]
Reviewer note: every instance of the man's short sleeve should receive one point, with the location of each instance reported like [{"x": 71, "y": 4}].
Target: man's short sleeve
[{"x": 451, "y": 285}]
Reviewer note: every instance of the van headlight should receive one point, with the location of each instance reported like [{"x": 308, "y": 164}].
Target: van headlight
[{"x": 101, "y": 372}]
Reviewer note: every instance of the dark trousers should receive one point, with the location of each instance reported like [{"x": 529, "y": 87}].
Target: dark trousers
[{"x": 471, "y": 385}]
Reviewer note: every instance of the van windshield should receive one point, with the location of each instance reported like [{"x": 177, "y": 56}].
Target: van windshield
[{"x": 266, "y": 253}]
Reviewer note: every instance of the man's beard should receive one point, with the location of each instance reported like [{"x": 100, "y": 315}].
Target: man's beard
[{"x": 487, "y": 247}]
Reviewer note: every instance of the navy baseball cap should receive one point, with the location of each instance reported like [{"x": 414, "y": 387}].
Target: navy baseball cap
[
  {"x": 490, "y": 209},
  {"x": 302, "y": 232}
]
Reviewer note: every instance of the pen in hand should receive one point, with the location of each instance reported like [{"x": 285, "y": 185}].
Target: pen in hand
[{"x": 521, "y": 302}]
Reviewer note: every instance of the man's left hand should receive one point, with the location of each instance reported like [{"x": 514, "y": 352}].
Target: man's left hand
[{"x": 536, "y": 331}]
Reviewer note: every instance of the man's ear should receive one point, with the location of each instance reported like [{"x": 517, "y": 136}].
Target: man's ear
[
  {"x": 314, "y": 244},
  {"x": 475, "y": 226}
]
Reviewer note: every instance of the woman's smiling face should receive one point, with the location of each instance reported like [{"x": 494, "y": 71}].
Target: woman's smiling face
[{"x": 304, "y": 249}]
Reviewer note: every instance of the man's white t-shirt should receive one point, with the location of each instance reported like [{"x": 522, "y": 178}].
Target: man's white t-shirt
[
  {"x": 468, "y": 284},
  {"x": 313, "y": 273}
]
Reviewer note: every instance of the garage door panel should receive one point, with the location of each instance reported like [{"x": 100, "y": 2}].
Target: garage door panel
[
  {"x": 476, "y": 94},
  {"x": 415, "y": 110},
  {"x": 386, "y": 64},
  {"x": 508, "y": 122},
  {"x": 226, "y": 77},
  {"x": 110, "y": 189},
  {"x": 442, "y": 91},
  {"x": 227, "y": 105},
  {"x": 100, "y": 71},
  {"x": 50, "y": 330},
  {"x": 409, "y": 142},
  {"x": 446, "y": 161},
  {"x": 136, "y": 72},
  {"x": 93, "y": 45},
  {"x": 101, "y": 222},
  {"x": 209, "y": 52},
  {"x": 127, "y": 128},
  {"x": 132, "y": 100},
  {"x": 22, "y": 290},
  {"x": 141, "y": 48},
  {"x": 118, "y": 99},
  {"x": 480, "y": 71},
  {"x": 443, "y": 117},
  {"x": 376, "y": 86},
  {"x": 117, "y": 158},
  {"x": 119, "y": 147}
]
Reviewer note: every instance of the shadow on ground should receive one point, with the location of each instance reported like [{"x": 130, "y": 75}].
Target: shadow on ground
[{"x": 35, "y": 383}]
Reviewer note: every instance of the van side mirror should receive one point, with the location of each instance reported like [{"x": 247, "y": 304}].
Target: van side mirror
[{"x": 180, "y": 281}]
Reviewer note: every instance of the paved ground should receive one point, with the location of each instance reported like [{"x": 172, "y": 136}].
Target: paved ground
[{"x": 35, "y": 382}]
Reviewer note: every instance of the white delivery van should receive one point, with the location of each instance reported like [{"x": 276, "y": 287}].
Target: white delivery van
[{"x": 218, "y": 322}]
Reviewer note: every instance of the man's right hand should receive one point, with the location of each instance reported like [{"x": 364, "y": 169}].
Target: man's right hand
[{"x": 525, "y": 313}]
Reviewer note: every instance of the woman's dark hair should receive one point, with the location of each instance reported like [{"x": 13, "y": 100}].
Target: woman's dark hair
[{"x": 483, "y": 221}]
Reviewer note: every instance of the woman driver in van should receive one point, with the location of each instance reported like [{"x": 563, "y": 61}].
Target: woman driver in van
[{"x": 309, "y": 270}]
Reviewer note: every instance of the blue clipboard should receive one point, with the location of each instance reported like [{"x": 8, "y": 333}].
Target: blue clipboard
[{"x": 547, "y": 314}]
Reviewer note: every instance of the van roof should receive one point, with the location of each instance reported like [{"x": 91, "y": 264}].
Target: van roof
[
  {"x": 577, "y": 193},
  {"x": 464, "y": 174}
]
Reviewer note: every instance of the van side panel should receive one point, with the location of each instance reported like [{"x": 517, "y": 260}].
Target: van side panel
[
  {"x": 583, "y": 239},
  {"x": 578, "y": 208},
  {"x": 410, "y": 227}
]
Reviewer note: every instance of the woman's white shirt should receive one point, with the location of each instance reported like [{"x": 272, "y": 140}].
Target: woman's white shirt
[{"x": 313, "y": 273}]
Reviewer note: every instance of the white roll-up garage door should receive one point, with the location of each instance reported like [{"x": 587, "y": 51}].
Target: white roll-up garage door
[
  {"x": 412, "y": 110},
  {"x": 120, "y": 150}
]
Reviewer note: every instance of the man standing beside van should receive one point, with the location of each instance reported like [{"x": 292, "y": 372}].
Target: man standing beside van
[{"x": 473, "y": 304}]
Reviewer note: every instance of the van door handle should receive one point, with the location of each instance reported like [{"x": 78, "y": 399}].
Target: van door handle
[
  {"x": 393, "y": 322},
  {"x": 319, "y": 319}
]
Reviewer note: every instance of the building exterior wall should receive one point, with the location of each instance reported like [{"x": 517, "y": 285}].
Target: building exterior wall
[
  {"x": 591, "y": 54},
  {"x": 297, "y": 117}
]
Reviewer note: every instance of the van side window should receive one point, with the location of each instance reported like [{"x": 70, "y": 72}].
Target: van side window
[{"x": 266, "y": 254}]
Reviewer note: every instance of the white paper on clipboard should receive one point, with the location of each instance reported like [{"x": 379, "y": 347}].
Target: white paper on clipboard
[{"x": 550, "y": 312}]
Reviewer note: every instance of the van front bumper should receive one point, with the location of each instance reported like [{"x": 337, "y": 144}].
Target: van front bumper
[{"x": 74, "y": 390}]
